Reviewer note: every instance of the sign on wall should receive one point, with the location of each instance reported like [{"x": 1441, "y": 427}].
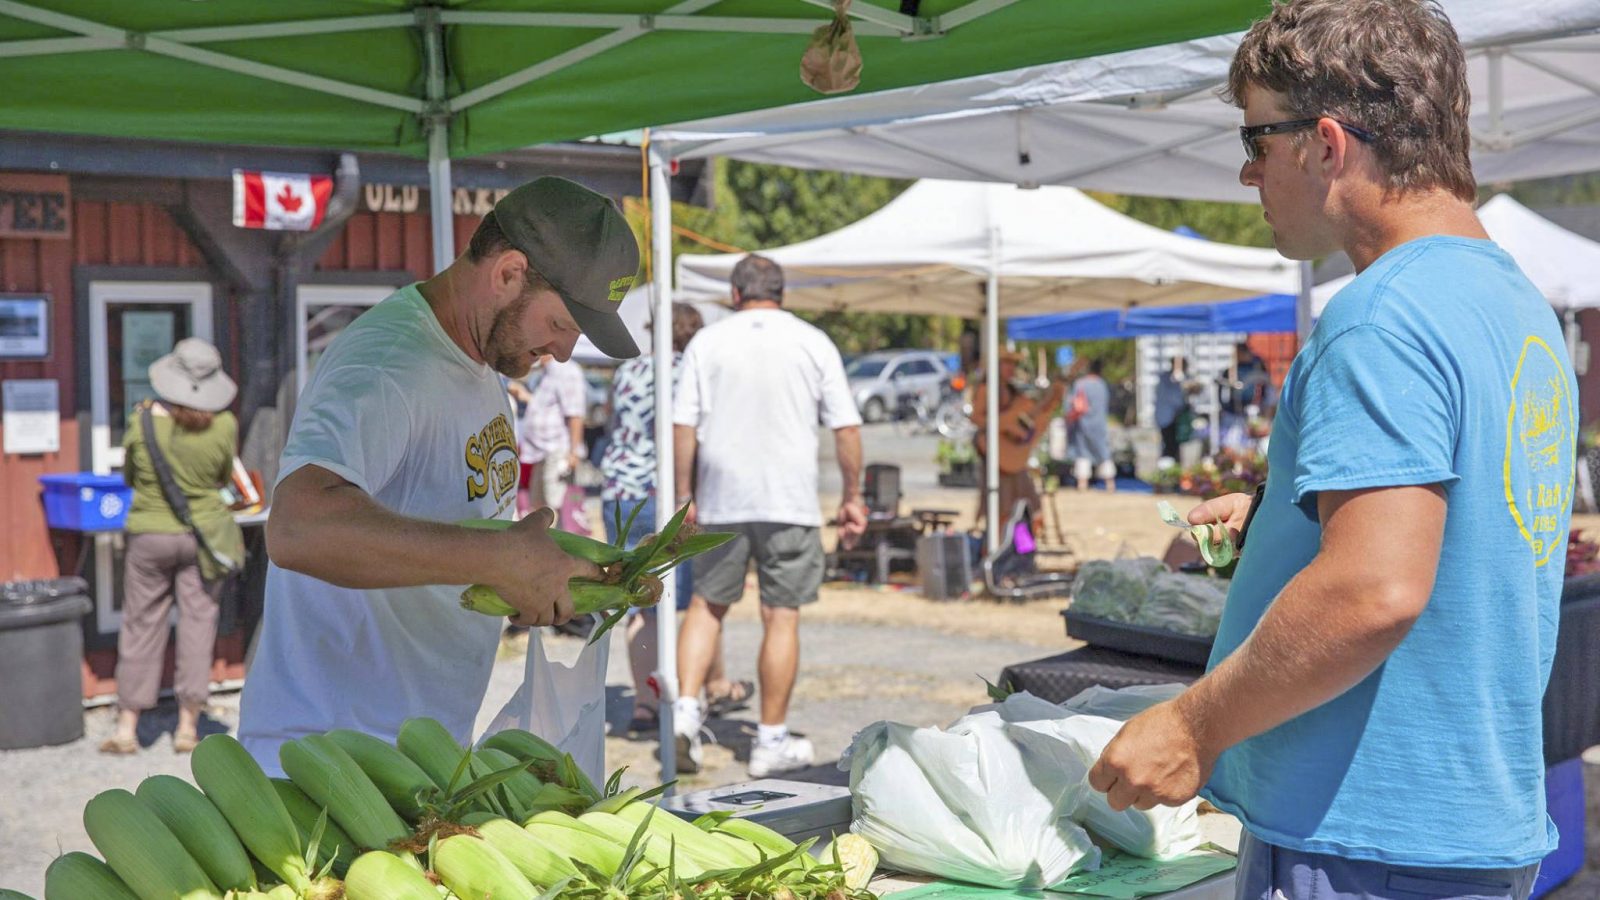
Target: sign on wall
[
  {"x": 31, "y": 417},
  {"x": 24, "y": 327},
  {"x": 35, "y": 206},
  {"x": 408, "y": 199}
]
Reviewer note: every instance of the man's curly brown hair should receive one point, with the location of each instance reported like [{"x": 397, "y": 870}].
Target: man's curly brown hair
[{"x": 1392, "y": 67}]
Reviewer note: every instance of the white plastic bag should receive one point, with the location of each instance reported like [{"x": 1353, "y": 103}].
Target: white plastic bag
[
  {"x": 565, "y": 705},
  {"x": 1120, "y": 704},
  {"x": 965, "y": 804},
  {"x": 1001, "y": 797}
]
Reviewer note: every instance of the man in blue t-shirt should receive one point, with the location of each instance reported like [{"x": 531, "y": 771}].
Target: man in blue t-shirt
[{"x": 1372, "y": 713}]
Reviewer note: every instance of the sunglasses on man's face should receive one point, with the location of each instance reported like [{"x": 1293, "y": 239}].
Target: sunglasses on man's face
[{"x": 1250, "y": 134}]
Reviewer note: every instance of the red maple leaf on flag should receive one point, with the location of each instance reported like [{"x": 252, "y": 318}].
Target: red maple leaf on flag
[{"x": 289, "y": 200}]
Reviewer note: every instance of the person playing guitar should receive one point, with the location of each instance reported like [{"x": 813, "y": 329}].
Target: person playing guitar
[{"x": 1021, "y": 421}]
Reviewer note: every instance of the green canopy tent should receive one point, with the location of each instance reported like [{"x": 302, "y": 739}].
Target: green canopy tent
[{"x": 457, "y": 78}]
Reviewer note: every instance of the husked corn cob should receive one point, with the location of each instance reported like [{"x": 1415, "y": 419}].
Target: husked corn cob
[
  {"x": 859, "y": 859},
  {"x": 425, "y": 742},
  {"x": 577, "y": 842},
  {"x": 400, "y": 780},
  {"x": 334, "y": 846},
  {"x": 379, "y": 875},
  {"x": 79, "y": 876},
  {"x": 144, "y": 853},
  {"x": 333, "y": 780},
  {"x": 200, "y": 828},
  {"x": 691, "y": 841},
  {"x": 235, "y": 784},
  {"x": 540, "y": 864},
  {"x": 474, "y": 870}
]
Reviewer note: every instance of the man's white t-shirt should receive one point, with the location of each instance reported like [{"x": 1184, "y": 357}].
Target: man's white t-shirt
[
  {"x": 397, "y": 409},
  {"x": 755, "y": 385}
]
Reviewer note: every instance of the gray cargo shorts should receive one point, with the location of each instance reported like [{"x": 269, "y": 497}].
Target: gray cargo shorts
[
  {"x": 789, "y": 564},
  {"x": 1268, "y": 872}
]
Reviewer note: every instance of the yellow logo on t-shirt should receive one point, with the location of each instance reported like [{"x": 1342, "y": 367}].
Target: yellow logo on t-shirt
[
  {"x": 491, "y": 457},
  {"x": 1541, "y": 428}
]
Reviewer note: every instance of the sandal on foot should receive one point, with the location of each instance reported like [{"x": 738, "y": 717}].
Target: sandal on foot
[
  {"x": 184, "y": 743},
  {"x": 644, "y": 722},
  {"x": 737, "y": 697},
  {"x": 118, "y": 746}
]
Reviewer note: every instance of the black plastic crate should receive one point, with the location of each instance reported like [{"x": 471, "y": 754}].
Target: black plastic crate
[{"x": 1141, "y": 639}]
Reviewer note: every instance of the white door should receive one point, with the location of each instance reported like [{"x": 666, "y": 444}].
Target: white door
[
  {"x": 131, "y": 324},
  {"x": 322, "y": 311}
]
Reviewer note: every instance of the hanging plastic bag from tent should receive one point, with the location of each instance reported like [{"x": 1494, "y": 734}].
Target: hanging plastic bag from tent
[
  {"x": 832, "y": 61},
  {"x": 565, "y": 705}
]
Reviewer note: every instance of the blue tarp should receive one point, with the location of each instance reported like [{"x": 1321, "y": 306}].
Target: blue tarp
[{"x": 1257, "y": 315}]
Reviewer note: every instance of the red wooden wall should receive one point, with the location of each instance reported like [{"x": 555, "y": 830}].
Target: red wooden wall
[
  {"x": 390, "y": 242},
  {"x": 103, "y": 233}
]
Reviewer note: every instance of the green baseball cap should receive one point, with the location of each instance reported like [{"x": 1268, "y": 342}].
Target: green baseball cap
[{"x": 579, "y": 241}]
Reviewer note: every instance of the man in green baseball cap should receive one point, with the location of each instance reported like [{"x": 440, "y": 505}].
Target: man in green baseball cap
[{"x": 403, "y": 428}]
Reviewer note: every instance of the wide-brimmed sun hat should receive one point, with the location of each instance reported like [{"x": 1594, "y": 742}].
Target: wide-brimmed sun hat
[{"x": 191, "y": 375}]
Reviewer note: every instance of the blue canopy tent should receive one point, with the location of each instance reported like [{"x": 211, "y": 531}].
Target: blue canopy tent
[{"x": 1257, "y": 315}]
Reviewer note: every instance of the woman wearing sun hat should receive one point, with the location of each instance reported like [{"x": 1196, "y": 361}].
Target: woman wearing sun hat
[{"x": 195, "y": 439}]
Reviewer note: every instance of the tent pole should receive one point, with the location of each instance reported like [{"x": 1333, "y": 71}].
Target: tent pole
[
  {"x": 666, "y": 491},
  {"x": 991, "y": 355},
  {"x": 437, "y": 120},
  {"x": 1302, "y": 303}
]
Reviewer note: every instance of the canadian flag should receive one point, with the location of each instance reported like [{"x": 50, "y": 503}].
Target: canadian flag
[{"x": 280, "y": 201}]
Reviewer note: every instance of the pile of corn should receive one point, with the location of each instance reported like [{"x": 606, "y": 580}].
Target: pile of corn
[
  {"x": 630, "y": 579},
  {"x": 426, "y": 819}
]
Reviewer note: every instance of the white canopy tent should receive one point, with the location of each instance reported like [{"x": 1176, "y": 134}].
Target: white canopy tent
[
  {"x": 968, "y": 248},
  {"x": 932, "y": 249},
  {"x": 1560, "y": 263},
  {"x": 1150, "y": 121}
]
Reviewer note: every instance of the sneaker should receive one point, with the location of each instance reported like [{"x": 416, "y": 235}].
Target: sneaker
[
  {"x": 688, "y": 722},
  {"x": 787, "y": 755}
]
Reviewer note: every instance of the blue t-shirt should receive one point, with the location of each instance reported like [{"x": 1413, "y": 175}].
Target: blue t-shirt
[{"x": 1440, "y": 364}]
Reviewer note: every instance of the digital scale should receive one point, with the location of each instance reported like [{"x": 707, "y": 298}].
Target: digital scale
[{"x": 795, "y": 809}]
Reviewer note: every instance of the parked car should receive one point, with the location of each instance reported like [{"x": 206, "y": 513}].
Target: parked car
[{"x": 879, "y": 380}]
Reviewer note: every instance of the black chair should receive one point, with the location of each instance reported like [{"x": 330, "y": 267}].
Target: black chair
[{"x": 890, "y": 541}]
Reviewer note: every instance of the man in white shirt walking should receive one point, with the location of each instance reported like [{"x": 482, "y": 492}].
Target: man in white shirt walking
[{"x": 753, "y": 388}]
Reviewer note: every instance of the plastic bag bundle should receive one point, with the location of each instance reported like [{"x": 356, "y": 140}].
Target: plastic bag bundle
[
  {"x": 1001, "y": 797},
  {"x": 1114, "y": 589},
  {"x": 1187, "y": 604},
  {"x": 1120, "y": 704}
]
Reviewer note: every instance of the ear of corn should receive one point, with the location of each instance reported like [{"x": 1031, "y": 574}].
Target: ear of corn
[
  {"x": 550, "y": 765},
  {"x": 520, "y": 790},
  {"x": 142, "y": 851},
  {"x": 334, "y": 847},
  {"x": 79, "y": 876},
  {"x": 537, "y": 862},
  {"x": 400, "y": 780},
  {"x": 771, "y": 843},
  {"x": 656, "y": 848},
  {"x": 474, "y": 870},
  {"x": 235, "y": 784},
  {"x": 697, "y": 844},
  {"x": 425, "y": 742},
  {"x": 200, "y": 828},
  {"x": 333, "y": 780},
  {"x": 377, "y": 875},
  {"x": 579, "y": 844}
]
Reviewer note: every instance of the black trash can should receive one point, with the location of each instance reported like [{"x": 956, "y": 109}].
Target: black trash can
[{"x": 41, "y": 662}]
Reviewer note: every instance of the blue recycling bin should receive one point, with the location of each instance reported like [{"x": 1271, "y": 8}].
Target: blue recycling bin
[{"x": 84, "y": 501}]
